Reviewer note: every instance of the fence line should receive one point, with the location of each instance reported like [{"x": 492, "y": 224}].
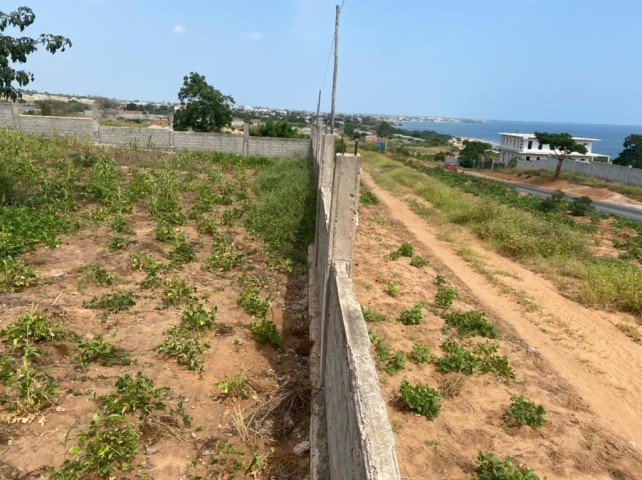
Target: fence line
[
  {"x": 88, "y": 129},
  {"x": 350, "y": 433},
  {"x": 606, "y": 171}
]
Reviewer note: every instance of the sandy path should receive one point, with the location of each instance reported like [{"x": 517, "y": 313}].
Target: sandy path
[{"x": 583, "y": 345}]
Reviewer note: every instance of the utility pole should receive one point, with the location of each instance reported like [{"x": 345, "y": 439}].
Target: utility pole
[
  {"x": 318, "y": 108},
  {"x": 336, "y": 67}
]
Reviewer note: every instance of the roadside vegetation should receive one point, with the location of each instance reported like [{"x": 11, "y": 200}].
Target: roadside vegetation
[
  {"x": 555, "y": 236},
  {"x": 173, "y": 237}
]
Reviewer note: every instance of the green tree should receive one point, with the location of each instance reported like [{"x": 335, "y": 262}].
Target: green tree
[
  {"x": 385, "y": 129},
  {"x": 204, "y": 108},
  {"x": 473, "y": 151},
  {"x": 632, "y": 153},
  {"x": 562, "y": 145},
  {"x": 15, "y": 50},
  {"x": 275, "y": 128}
]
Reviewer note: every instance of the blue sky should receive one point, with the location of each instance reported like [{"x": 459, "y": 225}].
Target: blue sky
[{"x": 547, "y": 60}]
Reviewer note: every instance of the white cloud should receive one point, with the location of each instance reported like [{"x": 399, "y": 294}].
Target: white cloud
[
  {"x": 180, "y": 28},
  {"x": 255, "y": 36}
]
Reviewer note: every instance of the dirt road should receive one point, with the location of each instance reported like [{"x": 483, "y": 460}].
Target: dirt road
[{"x": 583, "y": 345}]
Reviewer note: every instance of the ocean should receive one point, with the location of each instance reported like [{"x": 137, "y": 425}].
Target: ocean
[{"x": 611, "y": 136}]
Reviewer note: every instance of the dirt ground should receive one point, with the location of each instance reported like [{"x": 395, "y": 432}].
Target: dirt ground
[
  {"x": 29, "y": 448},
  {"x": 553, "y": 184},
  {"x": 571, "y": 359}
]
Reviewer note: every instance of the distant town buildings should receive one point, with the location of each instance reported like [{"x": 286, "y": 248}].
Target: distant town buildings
[{"x": 524, "y": 146}]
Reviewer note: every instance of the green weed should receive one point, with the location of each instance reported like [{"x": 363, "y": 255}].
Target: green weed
[
  {"x": 253, "y": 303},
  {"x": 102, "y": 352},
  {"x": 372, "y": 316},
  {"x": 412, "y": 316},
  {"x": 393, "y": 289},
  {"x": 418, "y": 262},
  {"x": 181, "y": 250},
  {"x": 445, "y": 296},
  {"x": 30, "y": 328},
  {"x": 421, "y": 398},
  {"x": 489, "y": 467},
  {"x": 236, "y": 386},
  {"x": 225, "y": 256},
  {"x": 112, "y": 302},
  {"x": 471, "y": 323},
  {"x": 265, "y": 332},
  {"x": 33, "y": 389},
  {"x": 135, "y": 395},
  {"x": 523, "y": 412},
  {"x": 118, "y": 243},
  {"x": 164, "y": 232},
  {"x": 420, "y": 353},
  {"x": 366, "y": 197},
  {"x": 95, "y": 275},
  {"x": 385, "y": 359},
  {"x": 184, "y": 346},
  {"x": 176, "y": 292},
  {"x": 405, "y": 250},
  {"x": 197, "y": 318},
  {"x": 120, "y": 224},
  {"x": 15, "y": 275}
]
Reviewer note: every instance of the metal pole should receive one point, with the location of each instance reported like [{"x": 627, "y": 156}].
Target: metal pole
[{"x": 336, "y": 67}]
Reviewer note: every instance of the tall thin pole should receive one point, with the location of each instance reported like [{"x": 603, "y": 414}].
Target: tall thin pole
[
  {"x": 336, "y": 67},
  {"x": 318, "y": 108}
]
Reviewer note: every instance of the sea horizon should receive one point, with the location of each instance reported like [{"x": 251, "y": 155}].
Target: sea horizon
[{"x": 611, "y": 136}]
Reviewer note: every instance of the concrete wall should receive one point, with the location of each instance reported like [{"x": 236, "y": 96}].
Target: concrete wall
[
  {"x": 88, "y": 129},
  {"x": 350, "y": 433},
  {"x": 606, "y": 171}
]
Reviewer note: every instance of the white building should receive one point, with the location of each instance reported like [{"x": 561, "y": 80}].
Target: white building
[{"x": 524, "y": 146}]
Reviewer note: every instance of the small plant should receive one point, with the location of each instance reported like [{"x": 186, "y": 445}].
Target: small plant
[
  {"x": 121, "y": 225},
  {"x": 418, "y": 262},
  {"x": 236, "y": 386},
  {"x": 135, "y": 395},
  {"x": 471, "y": 323},
  {"x": 266, "y": 332},
  {"x": 366, "y": 197},
  {"x": 112, "y": 302},
  {"x": 405, "y": 250},
  {"x": 34, "y": 389},
  {"x": 445, "y": 296},
  {"x": 372, "y": 316},
  {"x": 393, "y": 289},
  {"x": 177, "y": 291},
  {"x": 412, "y": 316},
  {"x": 523, "y": 412},
  {"x": 15, "y": 275},
  {"x": 253, "y": 303},
  {"x": 457, "y": 359},
  {"x": 181, "y": 251},
  {"x": 118, "y": 243},
  {"x": 489, "y": 467},
  {"x": 96, "y": 275},
  {"x": 102, "y": 352},
  {"x": 421, "y": 398},
  {"x": 385, "y": 359},
  {"x": 420, "y": 353},
  {"x": 440, "y": 280},
  {"x": 196, "y": 318},
  {"x": 164, "y": 232},
  {"x": 581, "y": 206},
  {"x": 184, "y": 346},
  {"x": 394, "y": 363},
  {"x": 631, "y": 331},
  {"x": 31, "y": 328},
  {"x": 492, "y": 363},
  {"x": 108, "y": 444},
  {"x": 224, "y": 257}
]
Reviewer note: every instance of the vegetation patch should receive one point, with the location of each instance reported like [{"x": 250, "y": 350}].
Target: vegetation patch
[
  {"x": 372, "y": 316},
  {"x": 482, "y": 358},
  {"x": 445, "y": 296},
  {"x": 421, "y": 398},
  {"x": 31, "y": 328},
  {"x": 471, "y": 323},
  {"x": 523, "y": 412},
  {"x": 101, "y": 352},
  {"x": 405, "y": 250},
  {"x": 112, "y": 302},
  {"x": 265, "y": 332},
  {"x": 413, "y": 316},
  {"x": 489, "y": 467},
  {"x": 253, "y": 303}
]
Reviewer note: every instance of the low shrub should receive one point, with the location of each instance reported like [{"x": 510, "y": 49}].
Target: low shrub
[
  {"x": 523, "y": 412},
  {"x": 471, "y": 323},
  {"x": 421, "y": 398}
]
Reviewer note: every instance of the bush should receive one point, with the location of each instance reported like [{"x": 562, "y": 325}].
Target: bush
[
  {"x": 253, "y": 303},
  {"x": 265, "y": 332},
  {"x": 412, "y": 316},
  {"x": 489, "y": 467},
  {"x": 421, "y": 398},
  {"x": 581, "y": 206},
  {"x": 445, "y": 296},
  {"x": 372, "y": 316},
  {"x": 522, "y": 412},
  {"x": 420, "y": 353},
  {"x": 471, "y": 323}
]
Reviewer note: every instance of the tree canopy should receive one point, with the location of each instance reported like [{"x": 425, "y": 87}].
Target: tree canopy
[
  {"x": 632, "y": 153},
  {"x": 473, "y": 151},
  {"x": 204, "y": 108},
  {"x": 15, "y": 50},
  {"x": 562, "y": 144},
  {"x": 275, "y": 128}
]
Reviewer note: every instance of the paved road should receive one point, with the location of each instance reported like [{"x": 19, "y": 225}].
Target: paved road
[{"x": 602, "y": 207}]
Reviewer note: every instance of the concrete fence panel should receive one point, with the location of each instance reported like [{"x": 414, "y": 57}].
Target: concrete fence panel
[
  {"x": 135, "y": 137},
  {"x": 207, "y": 142},
  {"x": 350, "y": 433},
  {"x": 82, "y": 128},
  {"x": 606, "y": 171},
  {"x": 278, "y": 147}
]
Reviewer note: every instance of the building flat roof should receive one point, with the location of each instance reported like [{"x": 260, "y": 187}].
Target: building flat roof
[{"x": 532, "y": 135}]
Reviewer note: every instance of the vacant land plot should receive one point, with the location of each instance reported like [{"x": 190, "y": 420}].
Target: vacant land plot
[
  {"x": 152, "y": 313},
  {"x": 475, "y": 365}
]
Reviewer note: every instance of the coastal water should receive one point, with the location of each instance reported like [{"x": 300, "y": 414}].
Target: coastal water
[{"x": 611, "y": 136}]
